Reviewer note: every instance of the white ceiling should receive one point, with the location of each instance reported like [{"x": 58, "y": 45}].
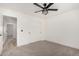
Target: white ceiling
[{"x": 29, "y": 8}]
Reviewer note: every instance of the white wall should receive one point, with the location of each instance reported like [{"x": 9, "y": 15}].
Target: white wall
[
  {"x": 1, "y": 33},
  {"x": 64, "y": 29},
  {"x": 31, "y": 29}
]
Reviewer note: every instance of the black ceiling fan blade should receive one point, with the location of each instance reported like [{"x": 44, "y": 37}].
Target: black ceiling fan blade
[
  {"x": 52, "y": 9},
  {"x": 38, "y": 11},
  {"x": 49, "y": 5},
  {"x": 38, "y": 5}
]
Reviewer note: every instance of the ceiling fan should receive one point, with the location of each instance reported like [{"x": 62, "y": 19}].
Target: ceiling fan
[{"x": 45, "y": 8}]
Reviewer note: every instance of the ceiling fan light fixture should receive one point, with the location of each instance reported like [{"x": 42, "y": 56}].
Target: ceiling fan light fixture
[{"x": 45, "y": 12}]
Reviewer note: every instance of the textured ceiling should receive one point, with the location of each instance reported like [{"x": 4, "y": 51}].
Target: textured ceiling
[{"x": 29, "y": 8}]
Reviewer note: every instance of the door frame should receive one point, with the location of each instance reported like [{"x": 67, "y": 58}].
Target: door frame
[{"x": 4, "y": 30}]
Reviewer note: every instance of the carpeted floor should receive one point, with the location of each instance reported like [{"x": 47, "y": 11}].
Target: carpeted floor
[{"x": 42, "y": 48}]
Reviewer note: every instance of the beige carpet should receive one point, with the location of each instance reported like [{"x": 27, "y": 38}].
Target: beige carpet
[{"x": 42, "y": 48}]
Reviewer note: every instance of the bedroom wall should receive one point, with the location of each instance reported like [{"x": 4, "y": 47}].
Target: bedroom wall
[
  {"x": 32, "y": 30},
  {"x": 64, "y": 29}
]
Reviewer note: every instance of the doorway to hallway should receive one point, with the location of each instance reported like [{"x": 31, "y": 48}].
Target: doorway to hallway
[{"x": 9, "y": 33}]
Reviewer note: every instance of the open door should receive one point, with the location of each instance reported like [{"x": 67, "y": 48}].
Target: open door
[{"x": 10, "y": 32}]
